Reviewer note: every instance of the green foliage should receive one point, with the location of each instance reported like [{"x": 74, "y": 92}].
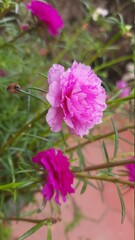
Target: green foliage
[
  {"x": 49, "y": 234},
  {"x": 76, "y": 219},
  {"x": 26, "y": 57},
  {"x": 116, "y": 139},
  {"x": 123, "y": 210},
  {"x": 32, "y": 230},
  {"x": 5, "y": 233}
]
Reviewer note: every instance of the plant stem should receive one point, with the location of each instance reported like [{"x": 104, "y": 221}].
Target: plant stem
[
  {"x": 38, "y": 89},
  {"x": 30, "y": 94},
  {"x": 96, "y": 138},
  {"x": 109, "y": 43},
  {"x": 112, "y": 62},
  {"x": 52, "y": 219},
  {"x": 23, "y": 129},
  {"x": 120, "y": 100},
  {"x": 107, "y": 179},
  {"x": 107, "y": 165},
  {"x": 71, "y": 41},
  {"x": 18, "y": 36}
]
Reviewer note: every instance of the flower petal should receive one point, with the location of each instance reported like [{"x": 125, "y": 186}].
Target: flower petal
[
  {"x": 59, "y": 177},
  {"x": 48, "y": 191},
  {"x": 47, "y": 14},
  {"x": 54, "y": 73},
  {"x": 78, "y": 92},
  {"x": 54, "y": 118},
  {"x": 54, "y": 94}
]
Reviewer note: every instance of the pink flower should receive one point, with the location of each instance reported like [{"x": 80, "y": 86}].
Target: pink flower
[
  {"x": 76, "y": 96},
  {"x": 122, "y": 85},
  {"x": 59, "y": 177},
  {"x": 48, "y": 15},
  {"x": 131, "y": 171}
]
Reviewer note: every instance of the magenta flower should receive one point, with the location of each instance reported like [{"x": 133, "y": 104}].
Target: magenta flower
[
  {"x": 122, "y": 85},
  {"x": 48, "y": 15},
  {"x": 59, "y": 177},
  {"x": 76, "y": 96},
  {"x": 131, "y": 171}
]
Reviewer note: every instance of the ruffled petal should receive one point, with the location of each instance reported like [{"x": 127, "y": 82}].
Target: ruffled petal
[
  {"x": 54, "y": 73},
  {"x": 47, "y": 14},
  {"x": 59, "y": 177},
  {"x": 54, "y": 94},
  {"x": 48, "y": 191},
  {"x": 81, "y": 97},
  {"x": 54, "y": 118}
]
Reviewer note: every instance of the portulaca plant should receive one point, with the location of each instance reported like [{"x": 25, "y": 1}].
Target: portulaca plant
[{"x": 50, "y": 117}]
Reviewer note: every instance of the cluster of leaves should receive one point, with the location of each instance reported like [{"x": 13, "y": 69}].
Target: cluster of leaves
[{"x": 26, "y": 57}]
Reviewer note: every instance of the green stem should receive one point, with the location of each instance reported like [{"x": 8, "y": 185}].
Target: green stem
[
  {"x": 18, "y": 36},
  {"x": 96, "y": 138},
  {"x": 70, "y": 41},
  {"x": 30, "y": 94},
  {"x": 110, "y": 63},
  {"x": 109, "y": 43},
  {"x": 107, "y": 165},
  {"x": 23, "y": 129},
  {"x": 120, "y": 100},
  {"x": 38, "y": 89},
  {"x": 107, "y": 179},
  {"x": 52, "y": 219}
]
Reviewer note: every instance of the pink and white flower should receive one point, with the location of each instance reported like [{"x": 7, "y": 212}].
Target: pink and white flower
[{"x": 76, "y": 97}]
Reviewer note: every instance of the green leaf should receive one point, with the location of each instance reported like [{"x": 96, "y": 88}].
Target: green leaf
[
  {"x": 63, "y": 138},
  {"x": 106, "y": 155},
  {"x": 32, "y": 230},
  {"x": 111, "y": 63},
  {"x": 43, "y": 75},
  {"x": 75, "y": 168},
  {"x": 106, "y": 173},
  {"x": 49, "y": 233},
  {"x": 116, "y": 139},
  {"x": 13, "y": 176},
  {"x": 125, "y": 140},
  {"x": 116, "y": 102},
  {"x": 9, "y": 186},
  {"x": 123, "y": 209},
  {"x": 92, "y": 185},
  {"x": 85, "y": 183},
  {"x": 76, "y": 220},
  {"x": 35, "y": 136},
  {"x": 80, "y": 155}
]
